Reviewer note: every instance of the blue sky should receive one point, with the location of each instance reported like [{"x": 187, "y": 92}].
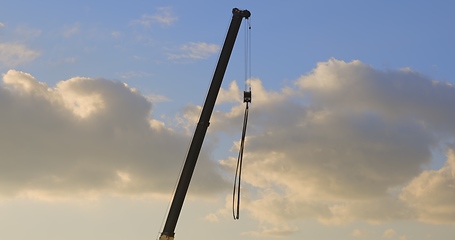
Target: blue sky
[{"x": 351, "y": 125}]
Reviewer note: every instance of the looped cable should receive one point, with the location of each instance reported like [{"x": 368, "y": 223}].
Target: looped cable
[{"x": 238, "y": 170}]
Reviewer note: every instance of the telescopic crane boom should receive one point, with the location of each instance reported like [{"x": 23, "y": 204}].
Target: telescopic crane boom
[{"x": 202, "y": 125}]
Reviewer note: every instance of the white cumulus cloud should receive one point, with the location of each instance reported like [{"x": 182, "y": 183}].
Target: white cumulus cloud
[
  {"x": 432, "y": 193},
  {"x": 342, "y": 143},
  {"x": 88, "y": 136},
  {"x": 345, "y": 143}
]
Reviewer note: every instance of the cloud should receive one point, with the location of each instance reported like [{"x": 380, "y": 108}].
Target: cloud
[
  {"x": 14, "y": 54},
  {"x": 157, "y": 98},
  {"x": 164, "y": 17},
  {"x": 275, "y": 232},
  {"x": 346, "y": 142},
  {"x": 24, "y": 32},
  {"x": 357, "y": 233},
  {"x": 88, "y": 137},
  {"x": 2, "y": 24},
  {"x": 395, "y": 94},
  {"x": 116, "y": 34},
  {"x": 133, "y": 74},
  {"x": 390, "y": 233},
  {"x": 70, "y": 31},
  {"x": 230, "y": 95},
  {"x": 195, "y": 50},
  {"x": 342, "y": 143},
  {"x": 432, "y": 193}
]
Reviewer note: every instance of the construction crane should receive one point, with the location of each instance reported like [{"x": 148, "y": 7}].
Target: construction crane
[{"x": 202, "y": 125}]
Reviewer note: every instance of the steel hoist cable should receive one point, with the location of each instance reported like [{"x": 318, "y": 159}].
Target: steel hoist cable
[
  {"x": 246, "y": 100},
  {"x": 238, "y": 170}
]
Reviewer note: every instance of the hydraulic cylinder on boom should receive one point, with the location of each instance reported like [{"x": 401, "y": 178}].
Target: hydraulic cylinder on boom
[{"x": 202, "y": 125}]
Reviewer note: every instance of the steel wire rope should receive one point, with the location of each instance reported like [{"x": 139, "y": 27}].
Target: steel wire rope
[{"x": 247, "y": 100}]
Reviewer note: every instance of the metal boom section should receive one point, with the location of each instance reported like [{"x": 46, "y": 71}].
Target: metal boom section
[{"x": 202, "y": 125}]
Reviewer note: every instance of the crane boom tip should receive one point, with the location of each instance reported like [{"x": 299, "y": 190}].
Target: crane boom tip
[{"x": 243, "y": 13}]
